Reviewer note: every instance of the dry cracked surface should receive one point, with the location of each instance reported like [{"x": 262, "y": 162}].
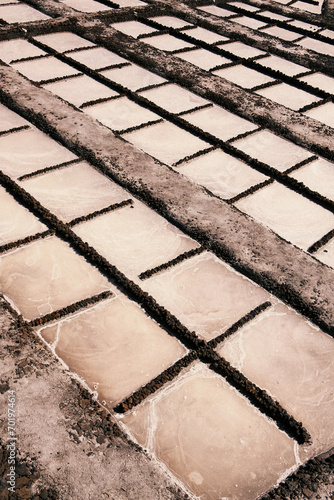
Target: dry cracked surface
[{"x": 166, "y": 259}]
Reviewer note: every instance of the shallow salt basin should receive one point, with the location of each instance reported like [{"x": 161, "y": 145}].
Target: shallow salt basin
[
  {"x": 171, "y": 22},
  {"x": 21, "y": 13},
  {"x": 272, "y": 150},
  {"x": 134, "y": 28},
  {"x": 167, "y": 42},
  {"x": 26, "y": 151},
  {"x": 80, "y": 90},
  {"x": 10, "y": 120},
  {"x": 64, "y": 41},
  {"x": 166, "y": 142},
  {"x": 10, "y": 50},
  {"x": 205, "y": 294},
  {"x": 292, "y": 360},
  {"x": 318, "y": 46},
  {"x": 203, "y": 58},
  {"x": 47, "y": 275},
  {"x": 242, "y": 50},
  {"x": 130, "y": 3},
  {"x": 133, "y": 77},
  {"x": 120, "y": 114},
  {"x": 217, "y": 11},
  {"x": 289, "y": 214},
  {"x": 279, "y": 64},
  {"x": 288, "y": 96},
  {"x": 206, "y": 35},
  {"x": 97, "y": 58},
  {"x": 114, "y": 346},
  {"x": 324, "y": 114},
  {"x": 46, "y": 68},
  {"x": 221, "y": 173},
  {"x": 74, "y": 191},
  {"x": 200, "y": 427},
  {"x": 174, "y": 98},
  {"x": 135, "y": 239},
  {"x": 220, "y": 122},
  {"x": 16, "y": 222},
  {"x": 326, "y": 254},
  {"x": 320, "y": 81},
  {"x": 249, "y": 22},
  {"x": 86, "y": 5},
  {"x": 282, "y": 33},
  {"x": 245, "y": 77},
  {"x": 318, "y": 176}
]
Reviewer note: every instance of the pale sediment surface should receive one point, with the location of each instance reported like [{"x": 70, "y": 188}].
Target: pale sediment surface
[
  {"x": 135, "y": 238},
  {"x": 205, "y": 294},
  {"x": 47, "y": 275},
  {"x": 114, "y": 347},
  {"x": 281, "y": 350},
  {"x": 202, "y": 416}
]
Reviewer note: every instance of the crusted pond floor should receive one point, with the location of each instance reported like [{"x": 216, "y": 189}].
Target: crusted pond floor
[{"x": 166, "y": 230}]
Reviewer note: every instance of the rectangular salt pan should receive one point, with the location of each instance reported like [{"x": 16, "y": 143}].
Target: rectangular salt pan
[
  {"x": 134, "y": 238},
  {"x": 206, "y": 295},
  {"x": 74, "y": 191},
  {"x": 16, "y": 222},
  {"x": 86, "y": 5},
  {"x": 26, "y": 151},
  {"x": 9, "y": 119},
  {"x": 64, "y": 41},
  {"x": 20, "y": 13},
  {"x": 47, "y": 275},
  {"x": 115, "y": 347},
  {"x": 133, "y": 77},
  {"x": 211, "y": 438},
  {"x": 97, "y": 58},
  {"x": 43, "y": 69},
  {"x": 293, "y": 361},
  {"x": 10, "y": 50},
  {"x": 174, "y": 98}
]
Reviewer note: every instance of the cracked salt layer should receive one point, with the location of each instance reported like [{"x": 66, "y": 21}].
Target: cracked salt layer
[
  {"x": 293, "y": 360},
  {"x": 318, "y": 46},
  {"x": 319, "y": 176},
  {"x": 46, "y": 68},
  {"x": 120, "y": 114},
  {"x": 86, "y": 5},
  {"x": 200, "y": 427},
  {"x": 282, "y": 33},
  {"x": 174, "y": 98},
  {"x": 326, "y": 254},
  {"x": 283, "y": 65},
  {"x": 134, "y": 28},
  {"x": 205, "y": 294},
  {"x": 289, "y": 214},
  {"x": 79, "y": 90},
  {"x": 47, "y": 275},
  {"x": 9, "y": 119},
  {"x": 249, "y": 22},
  {"x": 167, "y": 42},
  {"x": 203, "y": 58},
  {"x": 221, "y": 173},
  {"x": 115, "y": 345},
  {"x": 26, "y": 151},
  {"x": 21, "y": 13},
  {"x": 220, "y": 122},
  {"x": 135, "y": 239},
  {"x": 16, "y": 222},
  {"x": 11, "y": 50},
  {"x": 171, "y": 22},
  {"x": 288, "y": 96},
  {"x": 74, "y": 191},
  {"x": 324, "y": 114},
  {"x": 133, "y": 77},
  {"x": 97, "y": 58},
  {"x": 245, "y": 77},
  {"x": 166, "y": 142},
  {"x": 206, "y": 35},
  {"x": 272, "y": 150},
  {"x": 242, "y": 50},
  {"x": 63, "y": 41}
]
